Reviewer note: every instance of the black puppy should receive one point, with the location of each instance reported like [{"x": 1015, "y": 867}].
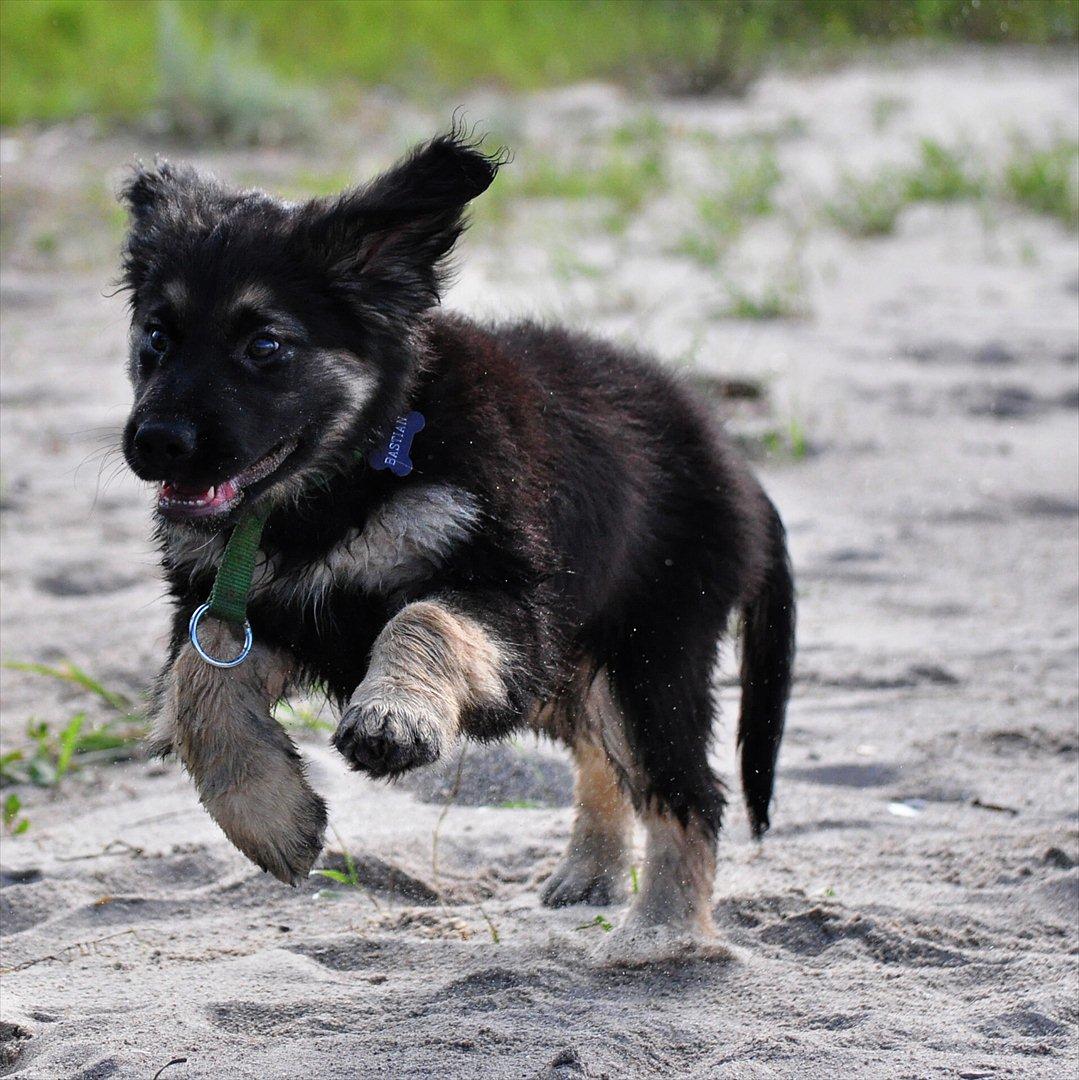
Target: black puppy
[{"x": 565, "y": 554}]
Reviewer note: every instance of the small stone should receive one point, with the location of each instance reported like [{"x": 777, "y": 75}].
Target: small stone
[
  {"x": 567, "y": 1059},
  {"x": 1059, "y": 858}
]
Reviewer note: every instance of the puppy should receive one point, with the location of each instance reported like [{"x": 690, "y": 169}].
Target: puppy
[{"x": 561, "y": 547}]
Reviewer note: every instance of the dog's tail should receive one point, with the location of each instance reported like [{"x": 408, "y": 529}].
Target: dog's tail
[{"x": 767, "y": 662}]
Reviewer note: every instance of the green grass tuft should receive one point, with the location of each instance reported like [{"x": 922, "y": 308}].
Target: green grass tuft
[
  {"x": 790, "y": 443},
  {"x": 868, "y": 207},
  {"x": 601, "y": 921},
  {"x": 942, "y": 175},
  {"x": 300, "y": 716},
  {"x": 49, "y": 754},
  {"x": 1046, "y": 181},
  {"x": 885, "y": 109},
  {"x": 750, "y": 178},
  {"x": 14, "y": 823},
  {"x": 624, "y": 179},
  {"x": 782, "y": 298},
  {"x": 69, "y": 673}
]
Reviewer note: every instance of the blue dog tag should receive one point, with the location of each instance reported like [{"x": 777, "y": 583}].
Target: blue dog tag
[{"x": 393, "y": 453}]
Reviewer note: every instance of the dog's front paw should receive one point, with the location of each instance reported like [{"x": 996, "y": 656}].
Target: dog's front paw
[{"x": 386, "y": 738}]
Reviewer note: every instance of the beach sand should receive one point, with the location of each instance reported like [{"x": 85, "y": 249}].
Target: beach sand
[{"x": 913, "y": 912}]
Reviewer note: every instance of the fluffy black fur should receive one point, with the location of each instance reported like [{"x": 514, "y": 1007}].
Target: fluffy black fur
[{"x": 619, "y": 532}]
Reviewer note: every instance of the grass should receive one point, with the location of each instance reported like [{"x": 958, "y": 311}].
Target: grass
[
  {"x": 771, "y": 302},
  {"x": 52, "y": 751},
  {"x": 782, "y": 442},
  {"x": 601, "y": 921},
  {"x": 223, "y": 92},
  {"x": 110, "y": 58},
  {"x": 350, "y": 876},
  {"x": 69, "y": 673},
  {"x": 14, "y": 823},
  {"x": 942, "y": 175},
  {"x": 1045, "y": 180},
  {"x": 791, "y": 442},
  {"x": 300, "y": 716},
  {"x": 869, "y": 207},
  {"x": 885, "y": 109},
  {"x": 613, "y": 174},
  {"x": 624, "y": 179},
  {"x": 747, "y": 192},
  {"x": 567, "y": 266},
  {"x": 780, "y": 297}
]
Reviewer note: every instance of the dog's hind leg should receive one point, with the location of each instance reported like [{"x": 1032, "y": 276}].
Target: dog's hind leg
[
  {"x": 595, "y": 866},
  {"x": 661, "y": 679},
  {"x": 670, "y": 918}
]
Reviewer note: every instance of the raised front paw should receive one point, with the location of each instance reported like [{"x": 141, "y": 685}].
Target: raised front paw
[{"x": 386, "y": 738}]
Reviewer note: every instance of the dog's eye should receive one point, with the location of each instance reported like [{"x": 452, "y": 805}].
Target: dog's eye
[
  {"x": 157, "y": 339},
  {"x": 263, "y": 346}
]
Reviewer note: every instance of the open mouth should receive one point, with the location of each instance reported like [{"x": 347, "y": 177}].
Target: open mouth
[{"x": 183, "y": 502}]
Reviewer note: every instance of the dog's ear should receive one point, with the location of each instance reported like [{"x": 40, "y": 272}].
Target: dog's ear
[
  {"x": 148, "y": 190},
  {"x": 387, "y": 242},
  {"x": 166, "y": 201}
]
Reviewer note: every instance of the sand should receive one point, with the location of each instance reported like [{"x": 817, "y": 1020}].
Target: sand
[{"x": 913, "y": 912}]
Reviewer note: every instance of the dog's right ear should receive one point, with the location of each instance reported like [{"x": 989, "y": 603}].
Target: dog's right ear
[
  {"x": 165, "y": 200},
  {"x": 147, "y": 190}
]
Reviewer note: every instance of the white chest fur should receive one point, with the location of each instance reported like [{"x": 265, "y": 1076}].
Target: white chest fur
[{"x": 404, "y": 541}]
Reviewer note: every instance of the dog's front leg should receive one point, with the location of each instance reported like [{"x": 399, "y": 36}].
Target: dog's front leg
[
  {"x": 248, "y": 774},
  {"x": 430, "y": 667}
]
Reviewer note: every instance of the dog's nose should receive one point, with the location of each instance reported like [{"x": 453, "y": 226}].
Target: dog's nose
[{"x": 164, "y": 443}]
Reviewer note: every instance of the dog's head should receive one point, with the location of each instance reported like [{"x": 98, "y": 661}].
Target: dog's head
[{"x": 268, "y": 338}]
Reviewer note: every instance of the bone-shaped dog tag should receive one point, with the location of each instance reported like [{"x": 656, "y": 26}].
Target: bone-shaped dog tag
[{"x": 393, "y": 453}]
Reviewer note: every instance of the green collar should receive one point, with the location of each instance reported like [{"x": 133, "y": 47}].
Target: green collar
[{"x": 228, "y": 598}]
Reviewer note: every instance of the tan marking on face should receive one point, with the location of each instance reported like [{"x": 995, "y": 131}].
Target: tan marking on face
[
  {"x": 252, "y": 295},
  {"x": 357, "y": 384},
  {"x": 245, "y": 767},
  {"x": 175, "y": 292}
]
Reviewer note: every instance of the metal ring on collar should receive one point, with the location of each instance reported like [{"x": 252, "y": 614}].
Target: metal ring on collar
[{"x": 193, "y": 631}]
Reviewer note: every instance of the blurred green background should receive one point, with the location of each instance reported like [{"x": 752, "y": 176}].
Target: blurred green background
[{"x": 215, "y": 59}]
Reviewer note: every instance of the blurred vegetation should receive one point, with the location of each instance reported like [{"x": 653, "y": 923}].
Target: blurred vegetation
[
  {"x": 224, "y": 65},
  {"x": 1046, "y": 180}
]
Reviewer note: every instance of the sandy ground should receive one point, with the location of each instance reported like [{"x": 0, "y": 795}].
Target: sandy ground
[{"x": 913, "y": 912}]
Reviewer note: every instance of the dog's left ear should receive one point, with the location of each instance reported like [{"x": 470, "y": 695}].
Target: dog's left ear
[{"x": 387, "y": 242}]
